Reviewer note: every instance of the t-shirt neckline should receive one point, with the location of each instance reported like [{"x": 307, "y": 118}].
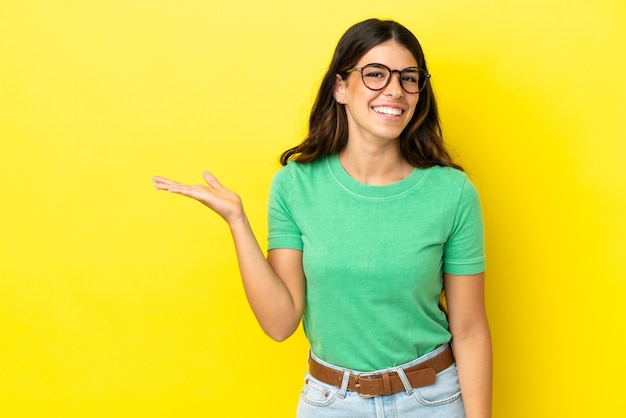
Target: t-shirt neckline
[{"x": 355, "y": 187}]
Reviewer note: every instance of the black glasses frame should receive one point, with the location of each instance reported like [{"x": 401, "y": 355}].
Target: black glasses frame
[{"x": 421, "y": 71}]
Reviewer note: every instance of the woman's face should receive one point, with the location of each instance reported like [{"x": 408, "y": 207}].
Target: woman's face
[{"x": 381, "y": 115}]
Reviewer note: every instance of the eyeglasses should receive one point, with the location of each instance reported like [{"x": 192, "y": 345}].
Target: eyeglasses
[{"x": 377, "y": 77}]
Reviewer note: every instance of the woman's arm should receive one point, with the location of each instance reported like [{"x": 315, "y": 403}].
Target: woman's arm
[
  {"x": 471, "y": 341},
  {"x": 275, "y": 287}
]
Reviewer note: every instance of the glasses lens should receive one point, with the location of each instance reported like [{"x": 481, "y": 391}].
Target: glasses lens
[
  {"x": 412, "y": 80},
  {"x": 375, "y": 76}
]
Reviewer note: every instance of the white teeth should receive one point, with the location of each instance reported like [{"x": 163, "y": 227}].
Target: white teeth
[{"x": 390, "y": 111}]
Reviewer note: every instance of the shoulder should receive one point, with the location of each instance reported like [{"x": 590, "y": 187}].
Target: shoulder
[
  {"x": 295, "y": 171},
  {"x": 295, "y": 180},
  {"x": 450, "y": 179},
  {"x": 447, "y": 174},
  {"x": 447, "y": 184}
]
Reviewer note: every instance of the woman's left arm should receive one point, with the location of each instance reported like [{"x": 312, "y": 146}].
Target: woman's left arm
[{"x": 471, "y": 341}]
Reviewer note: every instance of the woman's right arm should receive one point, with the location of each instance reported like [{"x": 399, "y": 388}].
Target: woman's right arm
[{"x": 275, "y": 287}]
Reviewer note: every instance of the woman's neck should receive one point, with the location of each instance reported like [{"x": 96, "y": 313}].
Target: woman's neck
[{"x": 375, "y": 165}]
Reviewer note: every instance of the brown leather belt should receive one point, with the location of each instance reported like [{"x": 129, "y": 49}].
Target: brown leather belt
[{"x": 368, "y": 385}]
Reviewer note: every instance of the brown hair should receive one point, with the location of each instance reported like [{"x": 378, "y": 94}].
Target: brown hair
[{"x": 421, "y": 142}]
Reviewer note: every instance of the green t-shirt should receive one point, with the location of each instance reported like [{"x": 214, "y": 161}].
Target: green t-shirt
[{"x": 374, "y": 257}]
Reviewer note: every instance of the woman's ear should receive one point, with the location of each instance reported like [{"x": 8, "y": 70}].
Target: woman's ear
[{"x": 340, "y": 86}]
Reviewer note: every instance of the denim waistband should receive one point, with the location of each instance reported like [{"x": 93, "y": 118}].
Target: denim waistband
[{"x": 411, "y": 363}]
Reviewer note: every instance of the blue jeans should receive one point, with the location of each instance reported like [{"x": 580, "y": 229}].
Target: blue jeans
[{"x": 440, "y": 400}]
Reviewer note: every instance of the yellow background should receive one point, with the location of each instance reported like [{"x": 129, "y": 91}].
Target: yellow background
[{"x": 118, "y": 301}]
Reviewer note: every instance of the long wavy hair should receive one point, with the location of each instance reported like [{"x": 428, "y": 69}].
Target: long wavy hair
[{"x": 421, "y": 141}]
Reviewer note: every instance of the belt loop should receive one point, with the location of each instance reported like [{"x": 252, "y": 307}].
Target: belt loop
[
  {"x": 386, "y": 384},
  {"x": 344, "y": 383},
  {"x": 405, "y": 381}
]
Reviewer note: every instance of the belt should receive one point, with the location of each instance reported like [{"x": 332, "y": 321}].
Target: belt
[{"x": 368, "y": 385}]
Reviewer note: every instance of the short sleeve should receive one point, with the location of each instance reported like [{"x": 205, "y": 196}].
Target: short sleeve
[
  {"x": 282, "y": 229},
  {"x": 464, "y": 252}
]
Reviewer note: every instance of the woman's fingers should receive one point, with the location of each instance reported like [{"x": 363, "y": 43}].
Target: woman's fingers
[
  {"x": 161, "y": 183},
  {"x": 162, "y": 180},
  {"x": 210, "y": 195},
  {"x": 212, "y": 181}
]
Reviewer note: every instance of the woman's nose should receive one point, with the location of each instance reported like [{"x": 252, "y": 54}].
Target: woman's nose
[{"x": 394, "y": 88}]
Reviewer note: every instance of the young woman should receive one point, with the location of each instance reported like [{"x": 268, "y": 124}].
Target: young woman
[{"x": 369, "y": 220}]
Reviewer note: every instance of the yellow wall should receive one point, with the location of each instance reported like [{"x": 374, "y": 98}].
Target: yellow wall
[{"x": 117, "y": 301}]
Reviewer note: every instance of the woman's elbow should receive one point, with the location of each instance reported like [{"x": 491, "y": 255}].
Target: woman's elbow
[
  {"x": 279, "y": 336},
  {"x": 280, "y": 332}
]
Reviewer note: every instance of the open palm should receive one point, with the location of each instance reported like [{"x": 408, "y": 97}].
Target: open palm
[{"x": 218, "y": 198}]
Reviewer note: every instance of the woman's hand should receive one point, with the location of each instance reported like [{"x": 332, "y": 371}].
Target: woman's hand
[{"x": 216, "y": 197}]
